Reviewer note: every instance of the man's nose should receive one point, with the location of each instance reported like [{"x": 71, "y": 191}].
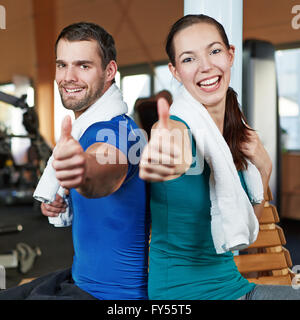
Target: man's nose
[{"x": 70, "y": 75}]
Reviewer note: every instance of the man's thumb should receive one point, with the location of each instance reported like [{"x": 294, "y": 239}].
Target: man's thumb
[
  {"x": 163, "y": 113},
  {"x": 66, "y": 128}
]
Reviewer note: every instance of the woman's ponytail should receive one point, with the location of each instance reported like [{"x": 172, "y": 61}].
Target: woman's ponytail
[{"x": 235, "y": 129}]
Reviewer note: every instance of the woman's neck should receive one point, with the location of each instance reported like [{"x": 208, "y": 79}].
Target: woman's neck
[{"x": 217, "y": 112}]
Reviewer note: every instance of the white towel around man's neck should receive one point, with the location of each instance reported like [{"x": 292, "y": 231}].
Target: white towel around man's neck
[
  {"x": 234, "y": 225},
  {"x": 108, "y": 106}
]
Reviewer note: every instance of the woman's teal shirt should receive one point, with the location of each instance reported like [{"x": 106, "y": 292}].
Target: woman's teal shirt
[{"x": 183, "y": 262}]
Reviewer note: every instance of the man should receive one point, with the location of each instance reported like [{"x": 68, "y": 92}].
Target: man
[{"x": 110, "y": 213}]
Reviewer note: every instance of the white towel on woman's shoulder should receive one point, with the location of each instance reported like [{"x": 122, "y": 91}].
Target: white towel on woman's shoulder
[
  {"x": 234, "y": 225},
  {"x": 108, "y": 106}
]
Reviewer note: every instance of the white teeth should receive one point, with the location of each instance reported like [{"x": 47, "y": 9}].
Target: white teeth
[
  {"x": 209, "y": 82},
  {"x": 73, "y": 90}
]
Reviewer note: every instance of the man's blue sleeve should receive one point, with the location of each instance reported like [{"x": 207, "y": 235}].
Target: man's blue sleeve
[{"x": 111, "y": 132}]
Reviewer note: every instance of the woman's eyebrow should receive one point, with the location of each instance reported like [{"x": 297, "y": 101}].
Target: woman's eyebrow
[
  {"x": 186, "y": 52},
  {"x": 192, "y": 52},
  {"x": 213, "y": 43}
]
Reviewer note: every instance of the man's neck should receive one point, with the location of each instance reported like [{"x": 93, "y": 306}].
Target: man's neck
[{"x": 80, "y": 112}]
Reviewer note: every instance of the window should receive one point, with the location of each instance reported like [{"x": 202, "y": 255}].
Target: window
[
  {"x": 288, "y": 79},
  {"x": 134, "y": 87},
  {"x": 11, "y": 117},
  {"x": 164, "y": 80}
]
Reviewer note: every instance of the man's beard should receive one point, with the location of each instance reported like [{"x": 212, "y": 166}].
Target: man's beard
[
  {"x": 78, "y": 105},
  {"x": 82, "y": 104}
]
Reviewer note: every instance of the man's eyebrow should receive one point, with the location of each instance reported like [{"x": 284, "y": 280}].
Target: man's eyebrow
[
  {"x": 77, "y": 62},
  {"x": 208, "y": 46},
  {"x": 81, "y": 62}
]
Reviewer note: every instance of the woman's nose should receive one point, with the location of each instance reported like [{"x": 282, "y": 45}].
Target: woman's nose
[{"x": 204, "y": 64}]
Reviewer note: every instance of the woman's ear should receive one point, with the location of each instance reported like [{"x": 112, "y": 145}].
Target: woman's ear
[
  {"x": 111, "y": 70},
  {"x": 231, "y": 52},
  {"x": 174, "y": 72}
]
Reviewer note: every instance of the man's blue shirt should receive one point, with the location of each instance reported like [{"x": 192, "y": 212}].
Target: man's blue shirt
[{"x": 111, "y": 234}]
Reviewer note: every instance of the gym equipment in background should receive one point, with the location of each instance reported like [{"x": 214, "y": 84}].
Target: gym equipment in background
[
  {"x": 22, "y": 257},
  {"x": 17, "y": 182}
]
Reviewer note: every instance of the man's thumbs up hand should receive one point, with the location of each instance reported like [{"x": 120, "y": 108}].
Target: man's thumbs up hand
[
  {"x": 69, "y": 158},
  {"x": 66, "y": 129}
]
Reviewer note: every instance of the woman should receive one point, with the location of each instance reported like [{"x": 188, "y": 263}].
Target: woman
[{"x": 184, "y": 263}]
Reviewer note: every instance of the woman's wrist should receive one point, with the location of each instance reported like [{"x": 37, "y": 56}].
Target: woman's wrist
[{"x": 266, "y": 170}]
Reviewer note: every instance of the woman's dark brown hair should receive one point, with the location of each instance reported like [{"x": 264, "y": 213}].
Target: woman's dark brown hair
[{"x": 235, "y": 129}]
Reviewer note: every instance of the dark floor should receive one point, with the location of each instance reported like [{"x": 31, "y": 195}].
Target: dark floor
[
  {"x": 56, "y": 243},
  {"x": 291, "y": 230}
]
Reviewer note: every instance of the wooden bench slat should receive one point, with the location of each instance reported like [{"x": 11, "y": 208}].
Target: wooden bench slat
[
  {"x": 287, "y": 257},
  {"x": 267, "y": 238},
  {"x": 278, "y": 280},
  {"x": 260, "y": 262},
  {"x": 281, "y": 235},
  {"x": 269, "y": 215}
]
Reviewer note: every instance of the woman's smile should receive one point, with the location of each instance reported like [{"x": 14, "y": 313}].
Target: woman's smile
[{"x": 210, "y": 84}]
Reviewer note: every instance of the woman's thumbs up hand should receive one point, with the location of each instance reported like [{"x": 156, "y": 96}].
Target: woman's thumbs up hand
[{"x": 163, "y": 153}]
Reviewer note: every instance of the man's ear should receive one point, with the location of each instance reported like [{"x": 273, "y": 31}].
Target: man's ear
[
  {"x": 173, "y": 70},
  {"x": 111, "y": 70}
]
